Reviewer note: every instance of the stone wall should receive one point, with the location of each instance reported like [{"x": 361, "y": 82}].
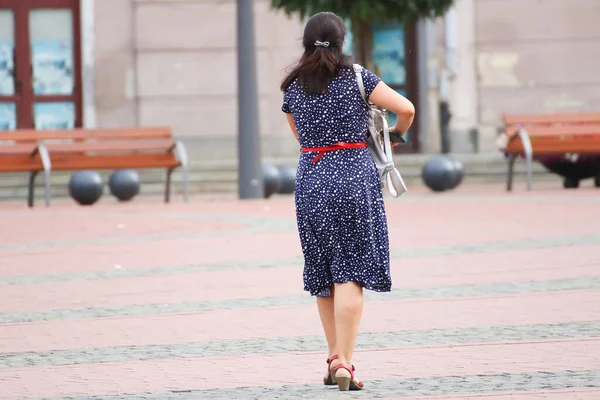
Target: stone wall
[
  {"x": 175, "y": 63},
  {"x": 524, "y": 56}
]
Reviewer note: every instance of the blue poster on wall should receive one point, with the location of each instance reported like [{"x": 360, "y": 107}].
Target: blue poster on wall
[
  {"x": 388, "y": 54},
  {"x": 55, "y": 115},
  {"x": 52, "y": 67},
  {"x": 348, "y": 41},
  {"x": 8, "y": 117},
  {"x": 7, "y": 66}
]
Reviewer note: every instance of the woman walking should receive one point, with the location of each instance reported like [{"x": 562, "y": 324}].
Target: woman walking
[{"x": 339, "y": 206}]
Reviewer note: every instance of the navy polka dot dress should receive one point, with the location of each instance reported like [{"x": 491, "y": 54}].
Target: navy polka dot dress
[{"x": 339, "y": 205}]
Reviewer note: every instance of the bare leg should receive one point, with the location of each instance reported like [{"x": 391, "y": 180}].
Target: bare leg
[
  {"x": 326, "y": 312},
  {"x": 348, "y": 311}
]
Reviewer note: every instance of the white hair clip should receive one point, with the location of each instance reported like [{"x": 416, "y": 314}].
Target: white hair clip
[{"x": 318, "y": 43}]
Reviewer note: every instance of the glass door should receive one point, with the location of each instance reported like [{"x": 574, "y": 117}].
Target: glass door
[
  {"x": 394, "y": 56},
  {"x": 40, "y": 81}
]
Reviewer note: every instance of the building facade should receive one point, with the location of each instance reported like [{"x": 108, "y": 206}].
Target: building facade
[
  {"x": 118, "y": 63},
  {"x": 519, "y": 56}
]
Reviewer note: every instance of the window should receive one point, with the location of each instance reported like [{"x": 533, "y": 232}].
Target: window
[{"x": 40, "y": 85}]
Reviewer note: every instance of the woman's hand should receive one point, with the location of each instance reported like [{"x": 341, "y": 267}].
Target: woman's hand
[{"x": 393, "y": 129}]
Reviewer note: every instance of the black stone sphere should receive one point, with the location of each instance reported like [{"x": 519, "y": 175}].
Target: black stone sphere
[
  {"x": 288, "y": 179},
  {"x": 458, "y": 173},
  {"x": 124, "y": 184},
  {"x": 271, "y": 180},
  {"x": 439, "y": 173},
  {"x": 86, "y": 187}
]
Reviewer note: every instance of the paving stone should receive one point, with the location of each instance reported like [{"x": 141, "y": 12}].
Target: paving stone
[
  {"x": 439, "y": 292},
  {"x": 499, "y": 299},
  {"x": 366, "y": 340}
]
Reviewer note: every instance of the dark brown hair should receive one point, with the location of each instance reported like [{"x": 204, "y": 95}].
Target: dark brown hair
[{"x": 319, "y": 64}]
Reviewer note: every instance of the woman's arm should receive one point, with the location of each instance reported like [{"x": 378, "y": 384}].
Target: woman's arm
[
  {"x": 290, "y": 119},
  {"x": 386, "y": 97}
]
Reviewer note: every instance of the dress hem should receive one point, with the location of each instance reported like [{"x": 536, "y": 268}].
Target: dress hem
[{"x": 378, "y": 288}]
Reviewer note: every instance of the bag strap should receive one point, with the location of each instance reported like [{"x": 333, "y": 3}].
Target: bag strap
[
  {"x": 387, "y": 145},
  {"x": 394, "y": 180},
  {"x": 361, "y": 85}
]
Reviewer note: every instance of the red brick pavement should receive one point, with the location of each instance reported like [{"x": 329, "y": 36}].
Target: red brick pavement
[
  {"x": 83, "y": 226},
  {"x": 151, "y": 254},
  {"x": 539, "y": 308},
  {"x": 541, "y": 264},
  {"x": 67, "y": 239},
  {"x": 435, "y": 223}
]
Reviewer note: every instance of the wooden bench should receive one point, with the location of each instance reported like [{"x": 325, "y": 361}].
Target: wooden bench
[
  {"x": 101, "y": 149},
  {"x": 553, "y": 134},
  {"x": 29, "y": 157}
]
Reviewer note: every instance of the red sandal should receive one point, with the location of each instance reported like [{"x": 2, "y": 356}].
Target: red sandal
[
  {"x": 346, "y": 383},
  {"x": 329, "y": 380}
]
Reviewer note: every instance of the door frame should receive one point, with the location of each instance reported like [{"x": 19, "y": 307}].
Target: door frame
[
  {"x": 24, "y": 97},
  {"x": 412, "y": 87},
  {"x": 16, "y": 97}
]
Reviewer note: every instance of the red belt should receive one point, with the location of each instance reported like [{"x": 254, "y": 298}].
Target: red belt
[{"x": 334, "y": 147}]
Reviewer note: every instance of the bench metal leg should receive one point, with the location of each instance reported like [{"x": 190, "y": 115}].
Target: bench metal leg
[
  {"x": 511, "y": 170},
  {"x": 181, "y": 155},
  {"x": 185, "y": 183},
  {"x": 183, "y": 159},
  {"x": 45, "y": 157},
  {"x": 31, "y": 188},
  {"x": 168, "y": 185},
  {"x": 47, "y": 170},
  {"x": 529, "y": 172},
  {"x": 47, "y": 188},
  {"x": 528, "y": 155}
]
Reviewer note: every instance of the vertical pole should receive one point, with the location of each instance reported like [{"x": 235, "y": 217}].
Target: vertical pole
[
  {"x": 250, "y": 182},
  {"x": 425, "y": 48},
  {"x": 87, "y": 63},
  {"x": 448, "y": 74}
]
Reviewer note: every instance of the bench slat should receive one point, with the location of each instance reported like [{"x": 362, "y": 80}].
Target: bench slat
[
  {"x": 28, "y": 135},
  {"x": 577, "y": 118},
  {"x": 556, "y": 130},
  {"x": 21, "y": 148},
  {"x": 20, "y": 163},
  {"x": 70, "y": 162},
  {"x": 517, "y": 147},
  {"x": 120, "y": 145}
]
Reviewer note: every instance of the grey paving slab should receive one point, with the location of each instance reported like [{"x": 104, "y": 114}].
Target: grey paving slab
[{"x": 443, "y": 385}]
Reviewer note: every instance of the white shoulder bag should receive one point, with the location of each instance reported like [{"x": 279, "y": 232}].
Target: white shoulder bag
[{"x": 381, "y": 153}]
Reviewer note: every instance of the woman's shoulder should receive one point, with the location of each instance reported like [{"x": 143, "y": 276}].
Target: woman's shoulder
[
  {"x": 350, "y": 71},
  {"x": 345, "y": 71},
  {"x": 292, "y": 87}
]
